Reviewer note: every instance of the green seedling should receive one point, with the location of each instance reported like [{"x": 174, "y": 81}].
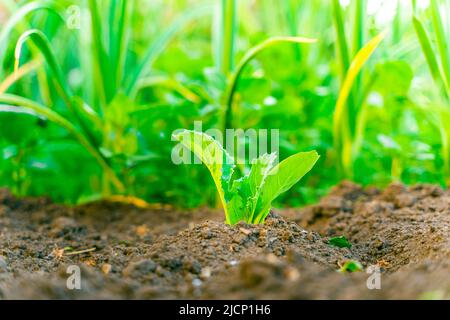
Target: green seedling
[
  {"x": 247, "y": 198},
  {"x": 351, "y": 266},
  {"x": 340, "y": 242}
]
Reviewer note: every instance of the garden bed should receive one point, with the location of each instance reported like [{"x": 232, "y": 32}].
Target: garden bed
[{"x": 159, "y": 252}]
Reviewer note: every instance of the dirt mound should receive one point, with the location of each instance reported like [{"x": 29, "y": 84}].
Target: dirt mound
[
  {"x": 158, "y": 252},
  {"x": 399, "y": 225},
  {"x": 272, "y": 278}
]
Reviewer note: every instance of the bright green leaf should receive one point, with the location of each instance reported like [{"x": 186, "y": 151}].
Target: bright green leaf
[
  {"x": 340, "y": 242},
  {"x": 351, "y": 266}
]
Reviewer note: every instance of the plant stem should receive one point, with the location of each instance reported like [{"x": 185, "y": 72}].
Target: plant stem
[{"x": 441, "y": 40}]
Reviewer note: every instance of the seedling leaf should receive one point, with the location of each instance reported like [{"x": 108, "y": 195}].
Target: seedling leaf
[
  {"x": 283, "y": 177},
  {"x": 217, "y": 160},
  {"x": 351, "y": 266},
  {"x": 340, "y": 242}
]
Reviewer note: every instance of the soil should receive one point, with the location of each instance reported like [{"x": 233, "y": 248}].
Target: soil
[{"x": 159, "y": 252}]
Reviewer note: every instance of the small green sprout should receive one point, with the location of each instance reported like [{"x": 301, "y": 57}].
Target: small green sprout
[
  {"x": 340, "y": 242},
  {"x": 351, "y": 266},
  {"x": 248, "y": 198}
]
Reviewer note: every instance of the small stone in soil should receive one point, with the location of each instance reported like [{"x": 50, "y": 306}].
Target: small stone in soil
[
  {"x": 206, "y": 272},
  {"x": 291, "y": 274},
  {"x": 197, "y": 282},
  {"x": 271, "y": 258},
  {"x": 245, "y": 231},
  {"x": 233, "y": 263},
  {"x": 106, "y": 268},
  {"x": 142, "y": 231}
]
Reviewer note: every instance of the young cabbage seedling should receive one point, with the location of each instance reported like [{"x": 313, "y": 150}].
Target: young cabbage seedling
[{"x": 248, "y": 198}]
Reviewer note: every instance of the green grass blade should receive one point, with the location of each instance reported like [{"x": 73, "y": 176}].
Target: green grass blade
[
  {"x": 100, "y": 59},
  {"x": 19, "y": 74},
  {"x": 442, "y": 39},
  {"x": 428, "y": 51},
  {"x": 251, "y": 54},
  {"x": 358, "y": 43},
  {"x": 343, "y": 50},
  {"x": 358, "y": 36},
  {"x": 360, "y": 59},
  {"x": 341, "y": 126},
  {"x": 19, "y": 22},
  {"x": 40, "y": 40},
  {"x": 119, "y": 19},
  {"x": 64, "y": 123},
  {"x": 43, "y": 44},
  {"x": 229, "y": 30},
  {"x": 160, "y": 43},
  {"x": 19, "y": 16}
]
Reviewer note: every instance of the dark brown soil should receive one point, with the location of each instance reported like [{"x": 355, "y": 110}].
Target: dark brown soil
[{"x": 164, "y": 253}]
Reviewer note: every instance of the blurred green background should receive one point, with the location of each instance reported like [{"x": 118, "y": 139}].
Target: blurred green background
[{"x": 126, "y": 74}]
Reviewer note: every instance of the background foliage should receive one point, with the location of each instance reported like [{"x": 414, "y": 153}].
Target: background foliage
[{"x": 147, "y": 68}]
